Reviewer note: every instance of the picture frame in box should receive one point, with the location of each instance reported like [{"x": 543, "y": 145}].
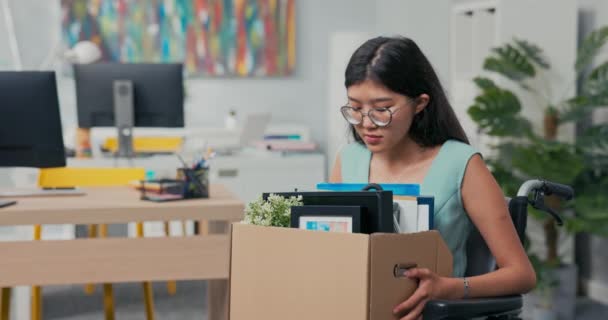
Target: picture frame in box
[{"x": 327, "y": 218}]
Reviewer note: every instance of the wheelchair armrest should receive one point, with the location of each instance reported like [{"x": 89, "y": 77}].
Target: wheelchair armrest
[{"x": 471, "y": 308}]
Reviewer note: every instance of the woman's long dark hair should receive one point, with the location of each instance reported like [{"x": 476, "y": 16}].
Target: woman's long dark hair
[{"x": 399, "y": 65}]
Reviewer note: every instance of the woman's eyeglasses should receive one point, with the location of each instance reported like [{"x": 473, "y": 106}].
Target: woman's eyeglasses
[{"x": 381, "y": 117}]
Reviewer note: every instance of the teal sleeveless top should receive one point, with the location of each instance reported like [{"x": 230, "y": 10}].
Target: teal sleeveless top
[{"x": 443, "y": 181}]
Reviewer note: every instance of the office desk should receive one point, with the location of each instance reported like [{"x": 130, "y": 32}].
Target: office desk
[{"x": 112, "y": 260}]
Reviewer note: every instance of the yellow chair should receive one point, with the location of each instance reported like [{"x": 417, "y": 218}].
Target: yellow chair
[
  {"x": 85, "y": 177},
  {"x": 148, "y": 144}
]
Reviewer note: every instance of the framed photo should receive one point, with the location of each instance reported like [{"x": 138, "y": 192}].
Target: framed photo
[{"x": 327, "y": 218}]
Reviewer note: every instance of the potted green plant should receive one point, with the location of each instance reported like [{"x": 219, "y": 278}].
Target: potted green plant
[
  {"x": 522, "y": 153},
  {"x": 275, "y": 211}
]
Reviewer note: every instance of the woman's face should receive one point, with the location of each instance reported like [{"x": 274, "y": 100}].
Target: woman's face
[{"x": 369, "y": 95}]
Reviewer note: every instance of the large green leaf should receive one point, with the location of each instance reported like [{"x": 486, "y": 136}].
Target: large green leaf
[
  {"x": 533, "y": 52},
  {"x": 496, "y": 112},
  {"x": 595, "y": 137},
  {"x": 555, "y": 161},
  {"x": 511, "y": 63},
  {"x": 594, "y": 95},
  {"x": 589, "y": 48},
  {"x": 484, "y": 83},
  {"x": 591, "y": 203},
  {"x": 596, "y": 85},
  {"x": 578, "y": 107}
]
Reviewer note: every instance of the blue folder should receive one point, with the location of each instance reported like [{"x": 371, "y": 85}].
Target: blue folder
[{"x": 401, "y": 189}]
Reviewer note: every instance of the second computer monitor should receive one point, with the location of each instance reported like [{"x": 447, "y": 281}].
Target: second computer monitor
[
  {"x": 158, "y": 93},
  {"x": 30, "y": 122}
]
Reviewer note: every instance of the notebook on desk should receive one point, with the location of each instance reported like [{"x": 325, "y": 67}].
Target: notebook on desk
[{"x": 35, "y": 192}]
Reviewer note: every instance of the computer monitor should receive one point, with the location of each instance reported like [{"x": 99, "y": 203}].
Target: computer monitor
[
  {"x": 377, "y": 206},
  {"x": 30, "y": 123},
  {"x": 127, "y": 95}
]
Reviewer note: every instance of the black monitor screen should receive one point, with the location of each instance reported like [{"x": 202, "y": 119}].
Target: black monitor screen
[
  {"x": 158, "y": 93},
  {"x": 30, "y": 124}
]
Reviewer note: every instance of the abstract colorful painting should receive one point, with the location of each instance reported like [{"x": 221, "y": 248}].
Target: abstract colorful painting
[{"x": 211, "y": 37}]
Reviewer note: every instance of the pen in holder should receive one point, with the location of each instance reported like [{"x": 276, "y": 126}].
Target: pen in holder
[{"x": 196, "y": 182}]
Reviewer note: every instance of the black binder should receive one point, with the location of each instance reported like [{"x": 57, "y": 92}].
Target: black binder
[{"x": 377, "y": 206}]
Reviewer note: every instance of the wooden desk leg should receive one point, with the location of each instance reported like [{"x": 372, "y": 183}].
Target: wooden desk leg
[
  {"x": 147, "y": 286},
  {"x": 217, "y": 290},
  {"x": 108, "y": 295},
  {"x": 89, "y": 288},
  {"x": 5, "y": 303},
  {"x": 36, "y": 303},
  {"x": 171, "y": 284}
]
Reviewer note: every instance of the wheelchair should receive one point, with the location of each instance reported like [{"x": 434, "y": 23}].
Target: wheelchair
[{"x": 481, "y": 261}]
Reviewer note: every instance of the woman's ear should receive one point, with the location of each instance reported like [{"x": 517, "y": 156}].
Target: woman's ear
[{"x": 421, "y": 102}]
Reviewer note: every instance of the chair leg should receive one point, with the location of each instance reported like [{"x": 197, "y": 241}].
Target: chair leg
[
  {"x": 149, "y": 300},
  {"x": 89, "y": 288},
  {"x": 36, "y": 303},
  {"x": 148, "y": 294},
  {"x": 5, "y": 303},
  {"x": 108, "y": 301},
  {"x": 108, "y": 297},
  {"x": 171, "y": 284}
]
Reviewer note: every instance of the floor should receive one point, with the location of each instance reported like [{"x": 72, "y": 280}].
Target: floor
[{"x": 71, "y": 303}]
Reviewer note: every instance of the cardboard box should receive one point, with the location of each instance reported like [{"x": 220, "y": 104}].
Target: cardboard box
[{"x": 282, "y": 273}]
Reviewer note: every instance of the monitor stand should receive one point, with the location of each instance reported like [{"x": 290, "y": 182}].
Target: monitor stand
[{"x": 124, "y": 117}]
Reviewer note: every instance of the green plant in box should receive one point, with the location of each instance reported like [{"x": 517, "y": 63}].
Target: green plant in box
[{"x": 274, "y": 212}]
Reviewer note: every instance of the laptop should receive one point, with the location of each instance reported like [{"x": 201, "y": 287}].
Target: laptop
[{"x": 254, "y": 128}]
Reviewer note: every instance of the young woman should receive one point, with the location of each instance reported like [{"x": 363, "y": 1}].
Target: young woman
[{"x": 407, "y": 132}]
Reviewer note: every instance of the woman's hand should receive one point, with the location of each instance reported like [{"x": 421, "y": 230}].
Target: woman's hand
[{"x": 430, "y": 286}]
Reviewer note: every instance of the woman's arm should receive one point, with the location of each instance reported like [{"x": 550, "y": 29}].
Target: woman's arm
[
  {"x": 336, "y": 172},
  {"x": 484, "y": 202}
]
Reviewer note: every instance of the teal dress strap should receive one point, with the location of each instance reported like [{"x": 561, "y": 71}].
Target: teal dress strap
[
  {"x": 355, "y": 159},
  {"x": 445, "y": 176}
]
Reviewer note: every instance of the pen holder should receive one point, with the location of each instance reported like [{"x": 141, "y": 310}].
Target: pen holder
[{"x": 196, "y": 182}]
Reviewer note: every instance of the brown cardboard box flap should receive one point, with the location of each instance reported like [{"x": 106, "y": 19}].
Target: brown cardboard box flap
[
  {"x": 281, "y": 273},
  {"x": 445, "y": 261},
  {"x": 422, "y": 249}
]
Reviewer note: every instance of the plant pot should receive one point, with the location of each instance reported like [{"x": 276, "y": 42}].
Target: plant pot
[
  {"x": 562, "y": 297},
  {"x": 541, "y": 313}
]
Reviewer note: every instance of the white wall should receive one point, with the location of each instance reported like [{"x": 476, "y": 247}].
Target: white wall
[
  {"x": 301, "y": 98},
  {"x": 426, "y": 22}
]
